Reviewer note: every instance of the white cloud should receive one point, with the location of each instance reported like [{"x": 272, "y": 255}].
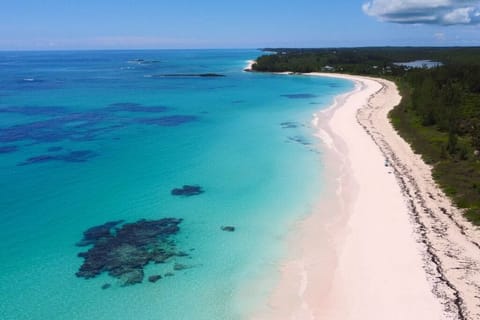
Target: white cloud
[
  {"x": 440, "y": 36},
  {"x": 459, "y": 16},
  {"x": 443, "y": 12}
]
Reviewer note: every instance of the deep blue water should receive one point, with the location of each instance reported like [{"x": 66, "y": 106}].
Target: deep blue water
[{"x": 91, "y": 137}]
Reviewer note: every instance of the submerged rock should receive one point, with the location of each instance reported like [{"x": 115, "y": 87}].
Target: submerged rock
[
  {"x": 132, "y": 277},
  {"x": 124, "y": 251},
  {"x": 182, "y": 254},
  {"x": 187, "y": 191},
  {"x": 93, "y": 234},
  {"x": 135, "y": 107},
  {"x": 8, "y": 149},
  {"x": 299, "y": 96},
  {"x": 154, "y": 278},
  {"x": 300, "y": 140},
  {"x": 73, "y": 156},
  {"x": 168, "y": 121},
  {"x": 228, "y": 228},
  {"x": 289, "y": 125},
  {"x": 106, "y": 286},
  {"x": 179, "y": 266}
]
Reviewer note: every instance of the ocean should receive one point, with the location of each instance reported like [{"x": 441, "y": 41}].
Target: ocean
[{"x": 157, "y": 184}]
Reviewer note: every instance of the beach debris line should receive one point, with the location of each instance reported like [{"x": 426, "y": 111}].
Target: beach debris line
[
  {"x": 187, "y": 191},
  {"x": 124, "y": 249}
]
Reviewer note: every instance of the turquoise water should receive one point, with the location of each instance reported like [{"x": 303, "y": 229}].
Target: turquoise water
[{"x": 90, "y": 137}]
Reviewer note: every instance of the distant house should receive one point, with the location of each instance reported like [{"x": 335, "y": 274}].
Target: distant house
[{"x": 328, "y": 69}]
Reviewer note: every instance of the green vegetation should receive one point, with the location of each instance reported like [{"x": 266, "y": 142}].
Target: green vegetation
[
  {"x": 366, "y": 61},
  {"x": 440, "y": 111},
  {"x": 440, "y": 117}
]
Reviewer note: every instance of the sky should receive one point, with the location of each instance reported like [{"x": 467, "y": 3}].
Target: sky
[{"x": 158, "y": 24}]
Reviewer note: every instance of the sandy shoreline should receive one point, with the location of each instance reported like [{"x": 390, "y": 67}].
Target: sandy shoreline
[
  {"x": 249, "y": 65},
  {"x": 391, "y": 246}
]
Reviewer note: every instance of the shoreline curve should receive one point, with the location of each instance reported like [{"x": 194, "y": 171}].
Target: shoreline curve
[{"x": 392, "y": 245}]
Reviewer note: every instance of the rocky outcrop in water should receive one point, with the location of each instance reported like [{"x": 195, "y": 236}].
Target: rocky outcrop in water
[{"x": 123, "y": 251}]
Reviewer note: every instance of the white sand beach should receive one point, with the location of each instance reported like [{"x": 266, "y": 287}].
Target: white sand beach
[
  {"x": 386, "y": 243},
  {"x": 249, "y": 65}
]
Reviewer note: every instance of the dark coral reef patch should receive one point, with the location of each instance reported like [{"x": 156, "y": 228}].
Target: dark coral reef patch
[
  {"x": 168, "y": 121},
  {"x": 35, "y": 110},
  {"x": 64, "y": 124},
  {"x": 123, "y": 250},
  {"x": 228, "y": 228},
  {"x": 53, "y": 124},
  {"x": 73, "y": 156},
  {"x": 289, "y": 125},
  {"x": 8, "y": 149},
  {"x": 135, "y": 107},
  {"x": 299, "y": 96},
  {"x": 187, "y": 191},
  {"x": 300, "y": 140},
  {"x": 188, "y": 75}
]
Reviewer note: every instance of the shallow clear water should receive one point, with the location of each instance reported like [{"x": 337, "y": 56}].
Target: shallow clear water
[{"x": 90, "y": 137}]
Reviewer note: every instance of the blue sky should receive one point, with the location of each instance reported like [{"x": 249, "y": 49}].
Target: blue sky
[{"x": 120, "y": 24}]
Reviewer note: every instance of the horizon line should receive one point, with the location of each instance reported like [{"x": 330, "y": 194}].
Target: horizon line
[{"x": 226, "y": 48}]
